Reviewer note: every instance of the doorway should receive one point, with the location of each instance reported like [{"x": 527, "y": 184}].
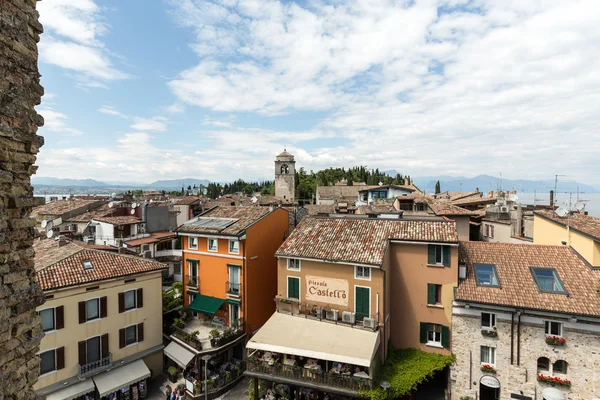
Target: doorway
[{"x": 488, "y": 393}]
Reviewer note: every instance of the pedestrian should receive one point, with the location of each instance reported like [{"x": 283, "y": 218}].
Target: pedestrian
[
  {"x": 169, "y": 391},
  {"x": 173, "y": 396}
]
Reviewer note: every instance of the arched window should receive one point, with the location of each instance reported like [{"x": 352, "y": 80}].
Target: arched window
[
  {"x": 285, "y": 169},
  {"x": 543, "y": 364},
  {"x": 559, "y": 367}
]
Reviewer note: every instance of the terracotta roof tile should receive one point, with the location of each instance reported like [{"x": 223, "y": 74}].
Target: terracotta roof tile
[
  {"x": 314, "y": 209},
  {"x": 359, "y": 240},
  {"x": 186, "y": 201},
  {"x": 153, "y": 238},
  {"x": 518, "y": 288},
  {"x": 578, "y": 222},
  {"x": 60, "y": 207},
  {"x": 242, "y": 217},
  {"x": 61, "y": 266},
  {"x": 123, "y": 220}
]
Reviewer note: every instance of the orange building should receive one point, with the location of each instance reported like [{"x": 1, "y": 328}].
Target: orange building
[{"x": 230, "y": 269}]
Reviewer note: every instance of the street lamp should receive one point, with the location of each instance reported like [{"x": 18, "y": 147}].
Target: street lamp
[{"x": 205, "y": 357}]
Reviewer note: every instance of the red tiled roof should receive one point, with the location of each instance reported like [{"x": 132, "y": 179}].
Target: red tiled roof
[
  {"x": 474, "y": 201},
  {"x": 517, "y": 285},
  {"x": 153, "y": 238},
  {"x": 314, "y": 209},
  {"x": 60, "y": 207},
  {"x": 124, "y": 220},
  {"x": 360, "y": 240},
  {"x": 188, "y": 200},
  {"x": 242, "y": 218},
  {"x": 445, "y": 208},
  {"x": 61, "y": 266},
  {"x": 582, "y": 223}
]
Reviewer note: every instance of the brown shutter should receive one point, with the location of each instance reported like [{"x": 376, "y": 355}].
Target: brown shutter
[
  {"x": 81, "y": 312},
  {"x": 140, "y": 332},
  {"x": 121, "y": 338},
  {"x": 121, "y": 302},
  {"x": 104, "y": 341},
  {"x": 60, "y": 358},
  {"x": 140, "y": 298},
  {"x": 60, "y": 317},
  {"x": 103, "y": 307},
  {"x": 82, "y": 353}
]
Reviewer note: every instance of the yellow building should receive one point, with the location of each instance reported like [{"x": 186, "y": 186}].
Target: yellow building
[
  {"x": 581, "y": 232},
  {"x": 102, "y": 331}
]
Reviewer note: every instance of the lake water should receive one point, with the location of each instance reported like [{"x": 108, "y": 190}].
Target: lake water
[{"x": 592, "y": 201}]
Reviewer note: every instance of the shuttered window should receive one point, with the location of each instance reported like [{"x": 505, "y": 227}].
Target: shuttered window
[
  {"x": 434, "y": 294},
  {"x": 293, "y": 287},
  {"x": 434, "y": 335},
  {"x": 438, "y": 254}
]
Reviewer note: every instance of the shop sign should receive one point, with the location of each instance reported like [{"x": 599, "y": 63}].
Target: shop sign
[
  {"x": 327, "y": 290},
  {"x": 490, "y": 382}
]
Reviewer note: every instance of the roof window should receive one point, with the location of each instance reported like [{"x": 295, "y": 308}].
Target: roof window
[
  {"x": 547, "y": 280},
  {"x": 87, "y": 264},
  {"x": 486, "y": 275}
]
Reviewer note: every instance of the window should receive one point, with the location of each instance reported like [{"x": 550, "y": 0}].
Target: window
[
  {"x": 193, "y": 243},
  {"x": 491, "y": 231},
  {"x": 285, "y": 169},
  {"x": 93, "y": 351},
  {"x": 487, "y": 230},
  {"x": 87, "y": 264},
  {"x": 438, "y": 254},
  {"x": 379, "y": 194},
  {"x": 486, "y": 275},
  {"x": 130, "y": 335},
  {"x": 488, "y": 355},
  {"x": 434, "y": 334},
  {"x": 193, "y": 268},
  {"x": 543, "y": 364},
  {"x": 293, "y": 287},
  {"x": 48, "y": 362},
  {"x": 488, "y": 320},
  {"x": 547, "y": 280},
  {"x": 234, "y": 247},
  {"x": 92, "y": 309},
  {"x": 434, "y": 294},
  {"x": 293, "y": 264},
  {"x": 362, "y": 273},
  {"x": 177, "y": 268},
  {"x": 48, "y": 319},
  {"x": 553, "y": 328},
  {"x": 364, "y": 196},
  {"x": 213, "y": 245},
  {"x": 559, "y": 367},
  {"x": 130, "y": 299}
]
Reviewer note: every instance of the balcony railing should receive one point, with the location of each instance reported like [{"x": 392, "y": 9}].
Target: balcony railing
[
  {"x": 233, "y": 288},
  {"x": 166, "y": 253},
  {"x": 192, "y": 281},
  {"x": 95, "y": 367},
  {"x": 296, "y": 373}
]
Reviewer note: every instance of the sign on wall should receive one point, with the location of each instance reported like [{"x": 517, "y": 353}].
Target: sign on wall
[
  {"x": 327, "y": 290},
  {"x": 490, "y": 382}
]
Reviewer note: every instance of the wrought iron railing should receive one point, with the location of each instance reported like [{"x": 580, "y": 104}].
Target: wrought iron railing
[
  {"x": 95, "y": 367},
  {"x": 233, "y": 288},
  {"x": 192, "y": 281}
]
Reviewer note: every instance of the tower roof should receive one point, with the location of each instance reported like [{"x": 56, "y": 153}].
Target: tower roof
[{"x": 284, "y": 153}]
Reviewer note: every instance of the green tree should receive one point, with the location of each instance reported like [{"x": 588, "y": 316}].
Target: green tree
[{"x": 437, "y": 187}]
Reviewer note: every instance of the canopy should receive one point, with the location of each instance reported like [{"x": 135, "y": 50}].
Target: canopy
[
  {"x": 179, "y": 354},
  {"x": 206, "y": 305},
  {"x": 553, "y": 394},
  {"x": 297, "y": 336},
  {"x": 73, "y": 391},
  {"x": 121, "y": 377},
  {"x": 232, "y": 301}
]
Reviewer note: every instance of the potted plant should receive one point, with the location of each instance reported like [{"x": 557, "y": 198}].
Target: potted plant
[
  {"x": 488, "y": 368},
  {"x": 214, "y": 337},
  {"x": 490, "y": 332},
  {"x": 227, "y": 376},
  {"x": 555, "y": 340},
  {"x": 172, "y": 371},
  {"x": 210, "y": 383},
  {"x": 553, "y": 380},
  {"x": 181, "y": 389}
]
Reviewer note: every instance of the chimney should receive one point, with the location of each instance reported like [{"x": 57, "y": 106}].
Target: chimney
[
  {"x": 62, "y": 240},
  {"x": 552, "y": 199}
]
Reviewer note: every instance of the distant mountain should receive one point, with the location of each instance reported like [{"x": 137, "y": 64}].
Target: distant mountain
[
  {"x": 178, "y": 183},
  {"x": 486, "y": 183},
  {"x": 48, "y": 181}
]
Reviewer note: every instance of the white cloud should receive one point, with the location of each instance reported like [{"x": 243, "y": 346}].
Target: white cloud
[
  {"x": 57, "y": 122},
  {"x": 149, "y": 124},
  {"x": 111, "y": 110},
  {"x": 72, "y": 41},
  {"x": 175, "y": 108}
]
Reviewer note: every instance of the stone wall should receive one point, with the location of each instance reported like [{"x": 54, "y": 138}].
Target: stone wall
[
  {"x": 20, "y": 91},
  {"x": 582, "y": 352}
]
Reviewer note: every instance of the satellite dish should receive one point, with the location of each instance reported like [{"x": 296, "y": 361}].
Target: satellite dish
[
  {"x": 113, "y": 195},
  {"x": 132, "y": 212},
  {"x": 151, "y": 200},
  {"x": 513, "y": 197},
  {"x": 124, "y": 246},
  {"x": 254, "y": 199},
  {"x": 580, "y": 205},
  {"x": 44, "y": 223},
  {"x": 50, "y": 234},
  {"x": 562, "y": 212},
  {"x": 380, "y": 183},
  {"x": 49, "y": 225},
  {"x": 134, "y": 205},
  {"x": 111, "y": 204}
]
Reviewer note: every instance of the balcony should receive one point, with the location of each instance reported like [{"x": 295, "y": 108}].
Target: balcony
[
  {"x": 95, "y": 367},
  {"x": 168, "y": 253},
  {"x": 233, "y": 288},
  {"x": 192, "y": 281},
  {"x": 205, "y": 335}
]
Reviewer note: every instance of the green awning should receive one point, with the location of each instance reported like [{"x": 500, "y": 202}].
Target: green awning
[
  {"x": 232, "y": 301},
  {"x": 206, "y": 305}
]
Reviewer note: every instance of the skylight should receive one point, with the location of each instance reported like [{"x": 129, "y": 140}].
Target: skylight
[
  {"x": 547, "y": 280},
  {"x": 486, "y": 275},
  {"x": 87, "y": 264}
]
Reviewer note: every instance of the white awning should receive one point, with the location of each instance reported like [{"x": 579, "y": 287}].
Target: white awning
[
  {"x": 553, "y": 394},
  {"x": 121, "y": 377},
  {"x": 179, "y": 354},
  {"x": 73, "y": 391},
  {"x": 322, "y": 340}
]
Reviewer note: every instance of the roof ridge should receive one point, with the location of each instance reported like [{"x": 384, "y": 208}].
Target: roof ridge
[{"x": 63, "y": 258}]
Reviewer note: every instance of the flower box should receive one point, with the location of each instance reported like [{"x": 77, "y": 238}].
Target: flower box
[
  {"x": 555, "y": 340},
  {"x": 553, "y": 380},
  {"x": 488, "y": 369},
  {"x": 489, "y": 332}
]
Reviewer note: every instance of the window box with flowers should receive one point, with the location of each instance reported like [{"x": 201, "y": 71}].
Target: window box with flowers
[
  {"x": 487, "y": 368},
  {"x": 490, "y": 332},
  {"x": 553, "y": 380},
  {"x": 555, "y": 340}
]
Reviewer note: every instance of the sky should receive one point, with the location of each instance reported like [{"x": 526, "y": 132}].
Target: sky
[{"x": 138, "y": 90}]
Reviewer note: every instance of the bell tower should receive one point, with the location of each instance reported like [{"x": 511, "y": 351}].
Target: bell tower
[{"x": 285, "y": 176}]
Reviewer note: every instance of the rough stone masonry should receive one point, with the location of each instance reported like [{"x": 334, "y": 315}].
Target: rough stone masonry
[{"x": 20, "y": 91}]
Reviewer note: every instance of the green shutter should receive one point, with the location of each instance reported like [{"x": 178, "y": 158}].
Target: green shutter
[
  {"x": 431, "y": 293},
  {"x": 445, "y": 337},
  {"x": 293, "y": 288},
  {"x": 446, "y": 255},
  {"x": 431, "y": 254},
  {"x": 363, "y": 303},
  {"x": 423, "y": 335}
]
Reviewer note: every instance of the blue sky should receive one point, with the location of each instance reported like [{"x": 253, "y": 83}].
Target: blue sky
[{"x": 213, "y": 89}]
